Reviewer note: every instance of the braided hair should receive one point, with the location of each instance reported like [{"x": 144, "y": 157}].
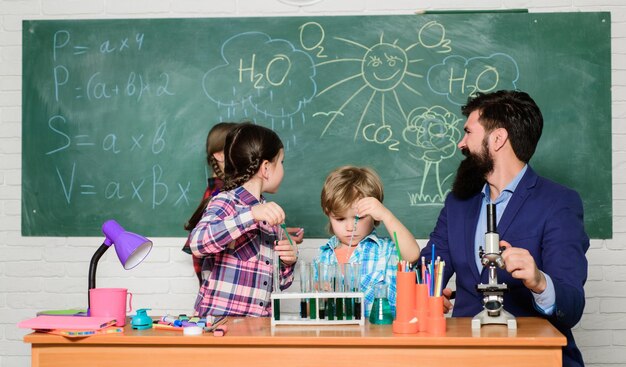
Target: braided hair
[
  {"x": 214, "y": 143},
  {"x": 246, "y": 147}
]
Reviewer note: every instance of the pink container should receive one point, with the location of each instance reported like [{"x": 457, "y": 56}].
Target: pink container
[
  {"x": 110, "y": 302},
  {"x": 421, "y": 293},
  {"x": 436, "y": 321},
  {"x": 406, "y": 316}
]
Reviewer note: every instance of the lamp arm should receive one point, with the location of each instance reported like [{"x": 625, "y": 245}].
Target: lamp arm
[{"x": 93, "y": 264}]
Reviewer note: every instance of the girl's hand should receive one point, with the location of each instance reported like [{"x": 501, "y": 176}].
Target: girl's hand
[
  {"x": 297, "y": 234},
  {"x": 269, "y": 212},
  {"x": 287, "y": 254}
]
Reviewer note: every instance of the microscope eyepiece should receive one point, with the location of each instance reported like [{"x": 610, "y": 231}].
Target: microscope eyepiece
[
  {"x": 492, "y": 238},
  {"x": 491, "y": 218}
]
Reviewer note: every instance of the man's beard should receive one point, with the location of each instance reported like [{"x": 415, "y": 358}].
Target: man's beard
[{"x": 472, "y": 172}]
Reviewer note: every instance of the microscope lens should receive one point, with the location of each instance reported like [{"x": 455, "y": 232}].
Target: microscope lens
[{"x": 493, "y": 305}]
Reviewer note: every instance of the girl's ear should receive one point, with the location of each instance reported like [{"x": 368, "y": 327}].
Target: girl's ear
[
  {"x": 219, "y": 156},
  {"x": 264, "y": 169}
]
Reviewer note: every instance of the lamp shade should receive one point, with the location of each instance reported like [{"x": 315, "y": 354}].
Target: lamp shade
[{"x": 131, "y": 248}]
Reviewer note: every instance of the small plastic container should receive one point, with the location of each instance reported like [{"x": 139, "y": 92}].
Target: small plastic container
[
  {"x": 421, "y": 295},
  {"x": 436, "y": 321},
  {"x": 406, "y": 321},
  {"x": 141, "y": 321}
]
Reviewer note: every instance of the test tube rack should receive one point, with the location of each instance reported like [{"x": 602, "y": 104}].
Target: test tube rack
[{"x": 297, "y": 320}]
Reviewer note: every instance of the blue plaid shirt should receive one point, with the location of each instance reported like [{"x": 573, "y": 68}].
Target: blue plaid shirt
[{"x": 379, "y": 263}]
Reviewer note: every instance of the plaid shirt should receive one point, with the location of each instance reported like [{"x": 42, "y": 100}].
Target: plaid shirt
[
  {"x": 378, "y": 259},
  {"x": 214, "y": 186},
  {"x": 238, "y": 268}
]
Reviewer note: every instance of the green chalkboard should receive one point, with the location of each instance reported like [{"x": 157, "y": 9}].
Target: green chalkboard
[{"x": 115, "y": 112}]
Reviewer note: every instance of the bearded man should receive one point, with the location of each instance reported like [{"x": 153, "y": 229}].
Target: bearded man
[{"x": 539, "y": 221}]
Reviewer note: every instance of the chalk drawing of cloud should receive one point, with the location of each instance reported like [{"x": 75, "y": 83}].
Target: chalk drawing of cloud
[
  {"x": 458, "y": 78},
  {"x": 269, "y": 75}
]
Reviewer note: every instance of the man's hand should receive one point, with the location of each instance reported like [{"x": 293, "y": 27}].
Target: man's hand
[
  {"x": 447, "y": 305},
  {"x": 521, "y": 265}
]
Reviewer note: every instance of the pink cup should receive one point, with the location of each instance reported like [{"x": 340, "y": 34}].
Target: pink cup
[{"x": 110, "y": 302}]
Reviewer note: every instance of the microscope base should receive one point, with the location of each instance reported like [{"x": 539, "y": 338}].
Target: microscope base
[{"x": 504, "y": 318}]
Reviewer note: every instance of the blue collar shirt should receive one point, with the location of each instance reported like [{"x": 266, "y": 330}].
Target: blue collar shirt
[{"x": 545, "y": 301}]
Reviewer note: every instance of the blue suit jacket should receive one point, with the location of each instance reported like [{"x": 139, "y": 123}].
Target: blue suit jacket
[{"x": 543, "y": 217}]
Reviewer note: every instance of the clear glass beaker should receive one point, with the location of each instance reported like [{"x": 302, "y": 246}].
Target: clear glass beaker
[{"x": 381, "y": 309}]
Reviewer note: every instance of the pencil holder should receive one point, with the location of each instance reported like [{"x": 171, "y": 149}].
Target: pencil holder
[
  {"x": 435, "y": 321},
  {"x": 406, "y": 315},
  {"x": 421, "y": 295}
]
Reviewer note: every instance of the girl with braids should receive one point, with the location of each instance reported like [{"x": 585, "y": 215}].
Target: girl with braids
[
  {"x": 239, "y": 229},
  {"x": 215, "y": 159}
]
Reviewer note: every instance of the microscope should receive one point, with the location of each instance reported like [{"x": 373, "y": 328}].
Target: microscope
[{"x": 493, "y": 312}]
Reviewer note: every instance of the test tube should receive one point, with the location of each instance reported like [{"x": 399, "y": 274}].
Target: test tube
[
  {"x": 330, "y": 287},
  {"x": 305, "y": 287},
  {"x": 314, "y": 288},
  {"x": 339, "y": 287},
  {"x": 276, "y": 264},
  {"x": 356, "y": 287},
  {"x": 276, "y": 276},
  {"x": 348, "y": 281},
  {"x": 325, "y": 281}
]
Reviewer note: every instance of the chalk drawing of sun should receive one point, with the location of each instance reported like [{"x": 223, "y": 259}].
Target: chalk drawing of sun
[{"x": 384, "y": 67}]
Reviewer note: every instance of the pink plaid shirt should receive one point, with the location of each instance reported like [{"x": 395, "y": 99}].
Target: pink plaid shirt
[{"x": 237, "y": 268}]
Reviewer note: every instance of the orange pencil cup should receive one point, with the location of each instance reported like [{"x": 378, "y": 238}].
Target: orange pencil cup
[
  {"x": 406, "y": 315},
  {"x": 421, "y": 295},
  {"x": 436, "y": 322}
]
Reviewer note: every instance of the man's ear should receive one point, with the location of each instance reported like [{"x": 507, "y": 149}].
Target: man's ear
[{"x": 499, "y": 137}]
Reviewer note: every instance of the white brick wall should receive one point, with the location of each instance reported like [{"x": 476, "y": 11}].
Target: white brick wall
[{"x": 50, "y": 273}]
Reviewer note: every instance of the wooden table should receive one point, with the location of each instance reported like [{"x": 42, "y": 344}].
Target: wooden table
[{"x": 253, "y": 342}]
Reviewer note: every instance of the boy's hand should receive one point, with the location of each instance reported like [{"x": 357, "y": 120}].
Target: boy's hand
[
  {"x": 269, "y": 212},
  {"x": 409, "y": 249},
  {"x": 372, "y": 207}
]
